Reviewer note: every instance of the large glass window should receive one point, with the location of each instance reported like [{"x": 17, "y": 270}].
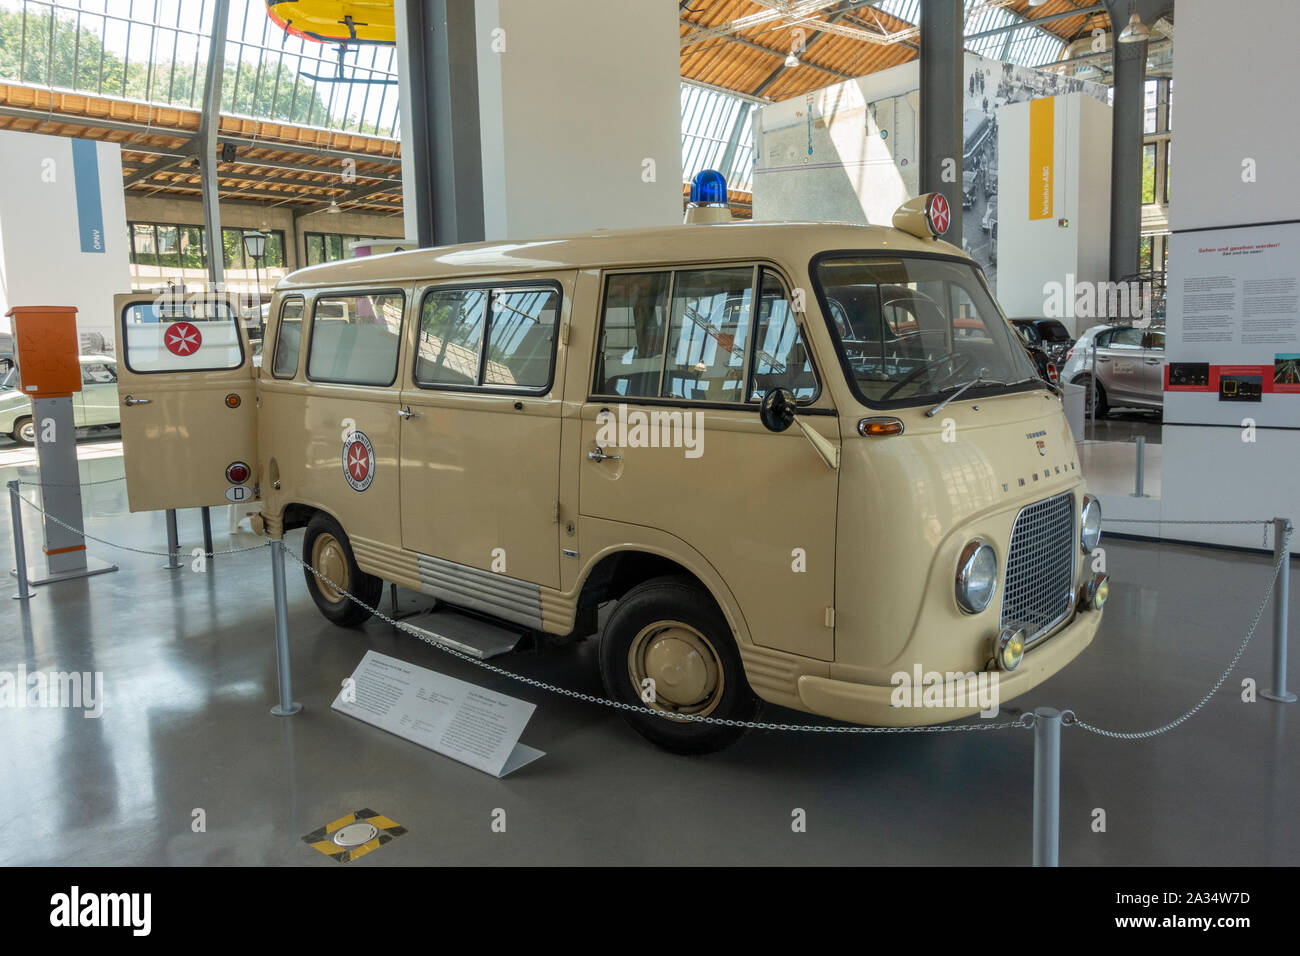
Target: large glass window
[
  {"x": 289, "y": 338},
  {"x": 354, "y": 338},
  {"x": 910, "y": 330},
  {"x": 781, "y": 359},
  {"x": 632, "y": 337},
  {"x": 691, "y": 335},
  {"x": 708, "y": 333},
  {"x": 451, "y": 337},
  {"x": 1149, "y": 173},
  {"x": 178, "y": 334},
  {"x": 521, "y": 338}
]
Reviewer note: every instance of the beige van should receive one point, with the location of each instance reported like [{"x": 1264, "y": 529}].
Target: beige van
[{"x": 795, "y": 462}]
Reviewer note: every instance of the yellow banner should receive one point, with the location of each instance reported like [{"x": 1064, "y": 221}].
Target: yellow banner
[{"x": 1042, "y": 156}]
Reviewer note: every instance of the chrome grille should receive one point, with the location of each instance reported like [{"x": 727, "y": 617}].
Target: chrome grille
[{"x": 1038, "y": 591}]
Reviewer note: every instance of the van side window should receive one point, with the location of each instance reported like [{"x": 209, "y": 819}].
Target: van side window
[
  {"x": 354, "y": 338},
  {"x": 177, "y": 334},
  {"x": 451, "y": 337},
  {"x": 288, "y": 338},
  {"x": 781, "y": 359},
  {"x": 632, "y": 346},
  {"x": 708, "y": 334},
  {"x": 521, "y": 337}
]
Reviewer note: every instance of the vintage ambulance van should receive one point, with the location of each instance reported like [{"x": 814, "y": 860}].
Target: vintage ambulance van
[{"x": 805, "y": 463}]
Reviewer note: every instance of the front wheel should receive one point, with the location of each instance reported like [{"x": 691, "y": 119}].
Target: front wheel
[
  {"x": 667, "y": 648},
  {"x": 326, "y": 548},
  {"x": 24, "y": 432}
]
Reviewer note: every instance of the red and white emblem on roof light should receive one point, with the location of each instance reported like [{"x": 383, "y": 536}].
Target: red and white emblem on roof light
[
  {"x": 938, "y": 213},
  {"x": 358, "y": 461},
  {"x": 182, "y": 338}
]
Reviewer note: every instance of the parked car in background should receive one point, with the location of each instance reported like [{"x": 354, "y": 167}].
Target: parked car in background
[
  {"x": 1048, "y": 370},
  {"x": 969, "y": 180},
  {"x": 95, "y": 406},
  {"x": 1130, "y": 366},
  {"x": 1050, "y": 335}
]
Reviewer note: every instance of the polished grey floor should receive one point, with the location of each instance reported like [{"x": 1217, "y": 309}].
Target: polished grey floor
[{"x": 190, "y": 676}]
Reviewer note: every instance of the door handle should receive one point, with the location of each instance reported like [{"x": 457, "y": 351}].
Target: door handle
[
  {"x": 405, "y": 412},
  {"x": 599, "y": 455},
  {"x": 129, "y": 401}
]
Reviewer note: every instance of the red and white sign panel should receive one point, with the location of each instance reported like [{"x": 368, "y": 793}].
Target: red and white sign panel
[
  {"x": 939, "y": 214},
  {"x": 182, "y": 338}
]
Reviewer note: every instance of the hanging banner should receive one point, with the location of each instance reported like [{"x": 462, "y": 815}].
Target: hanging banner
[
  {"x": 1042, "y": 158},
  {"x": 90, "y": 210}
]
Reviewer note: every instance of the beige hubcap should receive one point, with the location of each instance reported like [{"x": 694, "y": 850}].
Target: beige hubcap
[
  {"x": 329, "y": 561},
  {"x": 28, "y": 432},
  {"x": 684, "y": 666}
]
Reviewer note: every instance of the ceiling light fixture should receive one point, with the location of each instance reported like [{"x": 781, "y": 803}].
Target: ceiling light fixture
[{"x": 1136, "y": 31}]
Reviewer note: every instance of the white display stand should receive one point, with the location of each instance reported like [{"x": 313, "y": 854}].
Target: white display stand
[{"x": 476, "y": 726}]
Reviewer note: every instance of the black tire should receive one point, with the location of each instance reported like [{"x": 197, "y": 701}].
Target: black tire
[
  {"x": 680, "y": 601},
  {"x": 22, "y": 426},
  {"x": 335, "y": 557},
  {"x": 1103, "y": 406}
]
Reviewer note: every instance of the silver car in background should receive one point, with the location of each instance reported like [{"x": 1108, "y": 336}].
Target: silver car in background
[{"x": 1130, "y": 367}]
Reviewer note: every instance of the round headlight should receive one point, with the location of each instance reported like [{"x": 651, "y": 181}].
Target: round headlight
[
  {"x": 977, "y": 576},
  {"x": 1089, "y": 523}
]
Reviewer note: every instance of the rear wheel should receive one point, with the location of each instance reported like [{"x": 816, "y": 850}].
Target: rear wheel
[
  {"x": 24, "y": 431},
  {"x": 1103, "y": 406},
  {"x": 326, "y": 548},
  {"x": 667, "y": 648}
]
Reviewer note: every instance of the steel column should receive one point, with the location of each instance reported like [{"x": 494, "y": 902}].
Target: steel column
[
  {"x": 442, "y": 163},
  {"x": 209, "y": 127},
  {"x": 942, "y": 139},
  {"x": 286, "y": 707},
  {"x": 20, "y": 543}
]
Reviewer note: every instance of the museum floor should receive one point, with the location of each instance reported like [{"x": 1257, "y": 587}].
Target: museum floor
[{"x": 190, "y": 679}]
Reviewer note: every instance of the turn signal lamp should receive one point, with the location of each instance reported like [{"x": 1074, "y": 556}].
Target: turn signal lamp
[
  {"x": 1009, "y": 648},
  {"x": 232, "y": 400},
  {"x": 879, "y": 427}
]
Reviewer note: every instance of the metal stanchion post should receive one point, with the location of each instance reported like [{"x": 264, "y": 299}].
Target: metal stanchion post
[
  {"x": 1092, "y": 388},
  {"x": 1141, "y": 443},
  {"x": 20, "y": 544},
  {"x": 173, "y": 542},
  {"x": 207, "y": 533},
  {"x": 287, "y": 707},
  {"x": 1047, "y": 786},
  {"x": 1281, "y": 610}
]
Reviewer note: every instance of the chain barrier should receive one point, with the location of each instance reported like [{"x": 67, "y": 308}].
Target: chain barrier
[
  {"x": 123, "y": 547},
  {"x": 621, "y": 705},
  {"x": 1025, "y": 720},
  {"x": 1279, "y": 564},
  {"x": 1267, "y": 523},
  {"x": 80, "y": 484}
]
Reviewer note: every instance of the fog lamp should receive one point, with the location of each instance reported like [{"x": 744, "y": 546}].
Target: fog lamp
[
  {"x": 1096, "y": 591},
  {"x": 1009, "y": 648}
]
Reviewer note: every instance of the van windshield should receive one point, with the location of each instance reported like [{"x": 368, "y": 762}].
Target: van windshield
[{"x": 910, "y": 330}]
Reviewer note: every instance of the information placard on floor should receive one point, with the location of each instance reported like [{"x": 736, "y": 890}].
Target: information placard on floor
[{"x": 476, "y": 726}]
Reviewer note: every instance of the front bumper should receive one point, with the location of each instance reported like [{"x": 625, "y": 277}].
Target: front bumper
[{"x": 873, "y": 705}]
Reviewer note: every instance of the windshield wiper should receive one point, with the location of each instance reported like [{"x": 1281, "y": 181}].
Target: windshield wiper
[{"x": 977, "y": 380}]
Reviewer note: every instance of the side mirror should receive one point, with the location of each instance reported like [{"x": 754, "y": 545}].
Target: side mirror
[{"x": 777, "y": 410}]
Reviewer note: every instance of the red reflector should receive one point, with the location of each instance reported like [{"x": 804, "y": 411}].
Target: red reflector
[{"x": 238, "y": 473}]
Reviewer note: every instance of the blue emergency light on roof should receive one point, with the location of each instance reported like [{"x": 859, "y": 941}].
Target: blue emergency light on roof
[{"x": 709, "y": 186}]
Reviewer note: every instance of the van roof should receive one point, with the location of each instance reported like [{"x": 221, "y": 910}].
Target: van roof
[{"x": 621, "y": 248}]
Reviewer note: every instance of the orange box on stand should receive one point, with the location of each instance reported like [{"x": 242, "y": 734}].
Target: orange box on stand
[{"x": 46, "y": 347}]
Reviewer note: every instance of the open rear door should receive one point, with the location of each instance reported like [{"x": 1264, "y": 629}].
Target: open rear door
[{"x": 187, "y": 401}]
